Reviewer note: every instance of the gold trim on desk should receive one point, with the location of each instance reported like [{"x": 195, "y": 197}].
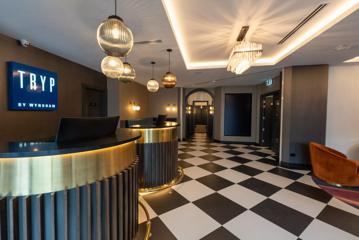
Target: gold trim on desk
[
  {"x": 148, "y": 221},
  {"x": 175, "y": 181},
  {"x": 37, "y": 175},
  {"x": 157, "y": 135}
]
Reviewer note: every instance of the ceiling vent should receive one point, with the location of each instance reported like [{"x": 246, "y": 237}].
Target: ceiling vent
[{"x": 304, "y": 21}]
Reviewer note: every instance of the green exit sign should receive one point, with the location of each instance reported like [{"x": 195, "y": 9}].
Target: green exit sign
[{"x": 268, "y": 82}]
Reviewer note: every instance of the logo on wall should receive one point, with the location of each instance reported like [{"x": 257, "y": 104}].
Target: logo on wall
[{"x": 31, "y": 88}]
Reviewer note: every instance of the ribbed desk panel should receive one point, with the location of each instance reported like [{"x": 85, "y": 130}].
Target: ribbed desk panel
[
  {"x": 158, "y": 163},
  {"x": 104, "y": 210}
]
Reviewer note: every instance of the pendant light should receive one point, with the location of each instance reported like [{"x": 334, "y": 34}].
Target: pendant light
[
  {"x": 112, "y": 67},
  {"x": 152, "y": 84},
  {"x": 128, "y": 74},
  {"x": 114, "y": 37},
  {"x": 169, "y": 79}
]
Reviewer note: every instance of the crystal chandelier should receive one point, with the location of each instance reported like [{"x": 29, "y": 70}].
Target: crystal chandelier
[
  {"x": 243, "y": 55},
  {"x": 152, "y": 84},
  {"x": 169, "y": 79}
]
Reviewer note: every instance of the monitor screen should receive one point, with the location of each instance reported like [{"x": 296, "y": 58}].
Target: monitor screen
[
  {"x": 161, "y": 119},
  {"x": 74, "y": 129}
]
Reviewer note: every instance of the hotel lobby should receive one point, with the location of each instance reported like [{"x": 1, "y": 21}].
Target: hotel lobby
[{"x": 179, "y": 119}]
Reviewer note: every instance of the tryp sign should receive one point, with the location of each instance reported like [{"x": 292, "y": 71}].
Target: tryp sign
[{"x": 31, "y": 88}]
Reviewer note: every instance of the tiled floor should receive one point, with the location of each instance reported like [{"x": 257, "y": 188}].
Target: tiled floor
[{"x": 236, "y": 191}]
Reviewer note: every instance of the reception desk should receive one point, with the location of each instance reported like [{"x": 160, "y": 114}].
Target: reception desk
[
  {"x": 158, "y": 155},
  {"x": 79, "y": 190}
]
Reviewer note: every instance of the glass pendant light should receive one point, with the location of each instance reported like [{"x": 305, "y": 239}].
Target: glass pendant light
[
  {"x": 128, "y": 74},
  {"x": 169, "y": 80},
  {"x": 152, "y": 84},
  {"x": 114, "y": 37},
  {"x": 112, "y": 67}
]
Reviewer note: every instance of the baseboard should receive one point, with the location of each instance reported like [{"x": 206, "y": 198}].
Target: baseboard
[{"x": 295, "y": 166}]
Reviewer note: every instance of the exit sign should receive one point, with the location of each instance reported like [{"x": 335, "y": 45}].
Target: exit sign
[
  {"x": 31, "y": 88},
  {"x": 268, "y": 82}
]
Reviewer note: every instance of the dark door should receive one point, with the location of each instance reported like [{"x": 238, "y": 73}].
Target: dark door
[
  {"x": 238, "y": 114},
  {"x": 93, "y": 102},
  {"x": 200, "y": 115},
  {"x": 270, "y": 121}
]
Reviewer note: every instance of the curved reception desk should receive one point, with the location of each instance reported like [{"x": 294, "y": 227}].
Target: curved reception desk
[
  {"x": 83, "y": 190},
  {"x": 158, "y": 156}
]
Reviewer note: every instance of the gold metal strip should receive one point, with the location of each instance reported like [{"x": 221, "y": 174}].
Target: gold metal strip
[
  {"x": 43, "y": 174},
  {"x": 175, "y": 181},
  {"x": 148, "y": 222},
  {"x": 156, "y": 135}
]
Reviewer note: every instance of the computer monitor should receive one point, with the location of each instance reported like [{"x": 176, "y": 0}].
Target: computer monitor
[
  {"x": 74, "y": 129},
  {"x": 161, "y": 120}
]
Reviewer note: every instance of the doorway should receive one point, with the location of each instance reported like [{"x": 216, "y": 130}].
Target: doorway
[
  {"x": 270, "y": 121},
  {"x": 94, "y": 103},
  {"x": 199, "y": 113},
  {"x": 200, "y": 116}
]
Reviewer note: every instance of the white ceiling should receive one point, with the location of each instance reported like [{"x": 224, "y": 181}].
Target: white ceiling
[
  {"x": 68, "y": 28},
  {"x": 210, "y": 28}
]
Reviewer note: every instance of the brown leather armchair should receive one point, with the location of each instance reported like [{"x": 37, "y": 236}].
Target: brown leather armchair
[{"x": 332, "y": 166}]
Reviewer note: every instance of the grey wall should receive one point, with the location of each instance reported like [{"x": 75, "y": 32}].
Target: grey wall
[
  {"x": 304, "y": 96},
  {"x": 113, "y": 108},
  {"x": 159, "y": 101},
  {"x": 217, "y": 130}
]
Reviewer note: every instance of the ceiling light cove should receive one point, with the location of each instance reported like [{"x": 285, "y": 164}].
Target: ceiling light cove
[
  {"x": 353, "y": 60},
  {"x": 334, "y": 12}
]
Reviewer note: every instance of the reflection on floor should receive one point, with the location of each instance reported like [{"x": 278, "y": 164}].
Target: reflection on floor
[{"x": 233, "y": 191}]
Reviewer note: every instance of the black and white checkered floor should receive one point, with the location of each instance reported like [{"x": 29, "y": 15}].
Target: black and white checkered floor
[{"x": 234, "y": 191}]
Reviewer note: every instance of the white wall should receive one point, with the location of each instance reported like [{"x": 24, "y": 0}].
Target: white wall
[{"x": 342, "y": 132}]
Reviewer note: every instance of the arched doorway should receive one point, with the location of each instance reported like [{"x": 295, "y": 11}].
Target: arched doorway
[{"x": 199, "y": 112}]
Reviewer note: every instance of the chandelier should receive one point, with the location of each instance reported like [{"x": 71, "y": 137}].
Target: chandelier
[
  {"x": 152, "y": 84},
  {"x": 114, "y": 37},
  {"x": 243, "y": 55},
  {"x": 169, "y": 79},
  {"x": 128, "y": 74},
  {"x": 112, "y": 67},
  {"x": 116, "y": 40}
]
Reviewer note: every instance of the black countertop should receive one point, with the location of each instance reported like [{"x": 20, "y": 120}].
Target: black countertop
[
  {"x": 147, "y": 126},
  {"x": 34, "y": 148}
]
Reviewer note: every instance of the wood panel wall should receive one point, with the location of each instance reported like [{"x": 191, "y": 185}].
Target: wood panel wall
[{"x": 17, "y": 125}]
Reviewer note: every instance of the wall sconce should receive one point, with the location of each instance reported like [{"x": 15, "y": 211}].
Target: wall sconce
[
  {"x": 135, "y": 106},
  {"x": 211, "y": 110},
  {"x": 188, "y": 110},
  {"x": 170, "y": 108}
]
